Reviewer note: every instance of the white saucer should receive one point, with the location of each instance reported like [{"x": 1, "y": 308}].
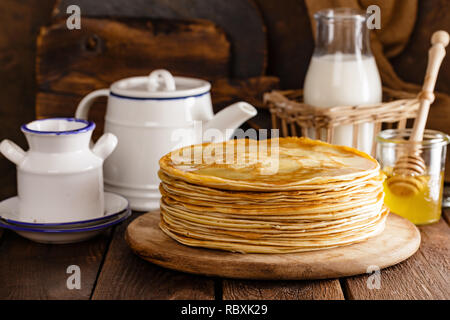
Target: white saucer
[
  {"x": 114, "y": 205},
  {"x": 116, "y": 210}
]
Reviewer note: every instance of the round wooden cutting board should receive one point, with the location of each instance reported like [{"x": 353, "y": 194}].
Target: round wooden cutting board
[{"x": 399, "y": 241}]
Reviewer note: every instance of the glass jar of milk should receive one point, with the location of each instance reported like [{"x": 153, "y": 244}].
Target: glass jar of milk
[{"x": 343, "y": 71}]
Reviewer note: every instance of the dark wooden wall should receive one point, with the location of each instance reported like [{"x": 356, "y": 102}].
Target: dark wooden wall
[
  {"x": 20, "y": 22},
  {"x": 275, "y": 40}
]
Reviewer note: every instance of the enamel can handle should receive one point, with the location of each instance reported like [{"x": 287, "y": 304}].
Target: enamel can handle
[
  {"x": 105, "y": 145},
  {"x": 12, "y": 151}
]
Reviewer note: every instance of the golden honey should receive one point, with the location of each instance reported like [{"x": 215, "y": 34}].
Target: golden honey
[{"x": 421, "y": 207}]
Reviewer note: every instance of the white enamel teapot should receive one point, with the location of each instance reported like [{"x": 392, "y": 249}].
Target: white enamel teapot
[{"x": 151, "y": 116}]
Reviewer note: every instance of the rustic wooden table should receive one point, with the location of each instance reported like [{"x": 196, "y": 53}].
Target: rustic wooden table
[{"x": 109, "y": 270}]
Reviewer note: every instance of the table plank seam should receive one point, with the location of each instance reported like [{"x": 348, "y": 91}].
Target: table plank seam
[
  {"x": 446, "y": 215},
  {"x": 345, "y": 289},
  {"x": 102, "y": 262},
  {"x": 2, "y": 232},
  {"x": 218, "y": 289}
]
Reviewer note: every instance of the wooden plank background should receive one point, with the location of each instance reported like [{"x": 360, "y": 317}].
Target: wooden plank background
[
  {"x": 267, "y": 38},
  {"x": 241, "y": 20},
  {"x": 70, "y": 64},
  {"x": 20, "y": 22}
]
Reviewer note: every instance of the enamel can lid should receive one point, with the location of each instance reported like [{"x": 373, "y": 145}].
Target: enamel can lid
[{"x": 160, "y": 84}]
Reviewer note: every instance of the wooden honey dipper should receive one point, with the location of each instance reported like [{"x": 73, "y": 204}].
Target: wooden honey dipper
[{"x": 408, "y": 173}]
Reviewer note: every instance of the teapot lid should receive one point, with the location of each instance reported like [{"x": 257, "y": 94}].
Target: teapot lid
[{"x": 160, "y": 84}]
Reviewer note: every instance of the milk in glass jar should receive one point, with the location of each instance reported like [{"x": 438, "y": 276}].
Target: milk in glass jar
[{"x": 343, "y": 71}]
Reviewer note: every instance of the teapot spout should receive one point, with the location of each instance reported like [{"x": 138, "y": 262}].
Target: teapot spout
[{"x": 229, "y": 119}]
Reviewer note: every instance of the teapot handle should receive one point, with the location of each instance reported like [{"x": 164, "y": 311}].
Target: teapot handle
[
  {"x": 12, "y": 151},
  {"x": 86, "y": 103}
]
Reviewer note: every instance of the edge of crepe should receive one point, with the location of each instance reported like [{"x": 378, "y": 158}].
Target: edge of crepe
[{"x": 230, "y": 184}]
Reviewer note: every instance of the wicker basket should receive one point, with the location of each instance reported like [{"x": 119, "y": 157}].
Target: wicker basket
[{"x": 294, "y": 117}]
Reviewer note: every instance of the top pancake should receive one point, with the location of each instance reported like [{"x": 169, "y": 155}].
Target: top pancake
[{"x": 299, "y": 164}]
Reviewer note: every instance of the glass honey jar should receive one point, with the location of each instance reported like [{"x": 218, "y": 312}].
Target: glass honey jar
[{"x": 419, "y": 199}]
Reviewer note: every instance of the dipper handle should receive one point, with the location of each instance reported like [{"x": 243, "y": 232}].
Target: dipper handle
[{"x": 436, "y": 54}]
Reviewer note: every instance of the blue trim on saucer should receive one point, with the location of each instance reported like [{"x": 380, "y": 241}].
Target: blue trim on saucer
[
  {"x": 94, "y": 228},
  {"x": 89, "y": 126},
  {"x": 31, "y": 224},
  {"x": 155, "y": 98}
]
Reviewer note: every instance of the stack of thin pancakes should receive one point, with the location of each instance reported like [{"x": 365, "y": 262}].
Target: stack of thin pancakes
[{"x": 292, "y": 195}]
